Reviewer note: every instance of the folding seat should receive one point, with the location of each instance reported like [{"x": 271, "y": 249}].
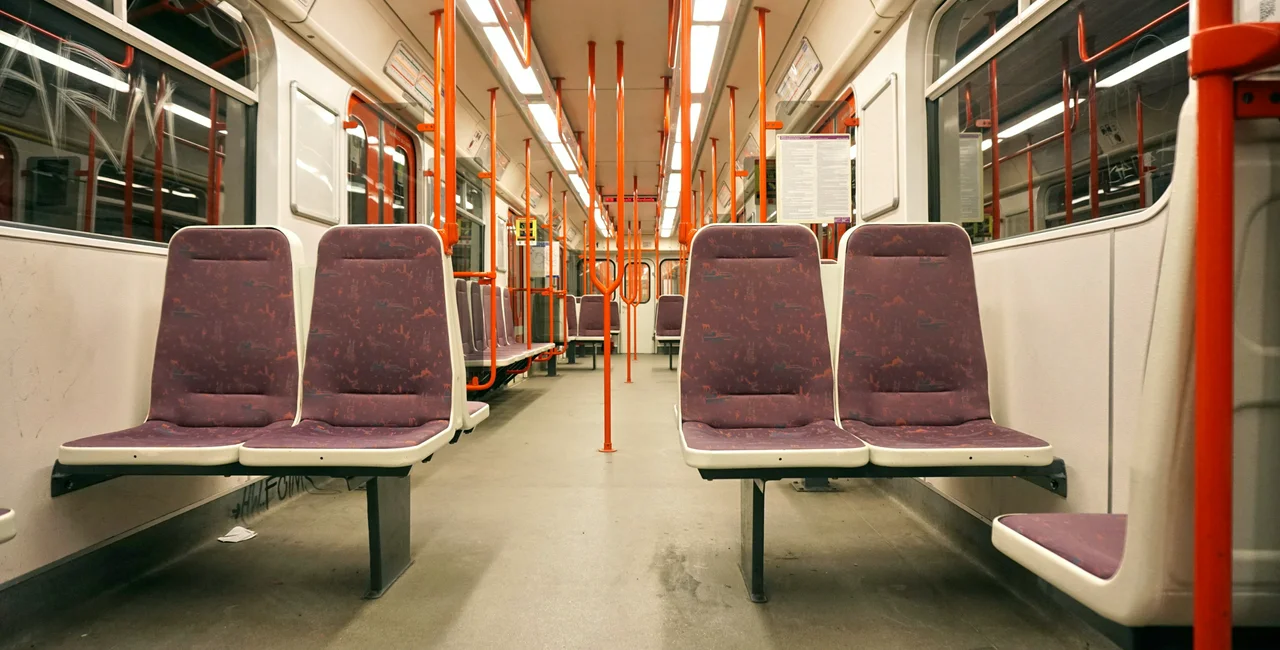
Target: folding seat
[
  {"x": 382, "y": 383},
  {"x": 755, "y": 378},
  {"x": 474, "y": 412},
  {"x": 668, "y": 320},
  {"x": 226, "y": 362},
  {"x": 912, "y": 370},
  {"x": 8, "y": 525}
]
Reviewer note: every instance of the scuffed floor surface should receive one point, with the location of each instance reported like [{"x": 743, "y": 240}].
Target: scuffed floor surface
[{"x": 525, "y": 536}]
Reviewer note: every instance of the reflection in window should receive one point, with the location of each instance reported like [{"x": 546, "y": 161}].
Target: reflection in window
[
  {"x": 1121, "y": 129},
  {"x": 642, "y": 273},
  {"x": 357, "y": 175},
  {"x": 382, "y": 167},
  {"x": 669, "y": 274},
  {"x": 965, "y": 26},
  {"x": 400, "y": 192},
  {"x": 136, "y": 148}
]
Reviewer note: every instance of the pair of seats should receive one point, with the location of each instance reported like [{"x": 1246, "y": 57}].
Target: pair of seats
[
  {"x": 760, "y": 399},
  {"x": 668, "y": 321},
  {"x": 382, "y": 387}
]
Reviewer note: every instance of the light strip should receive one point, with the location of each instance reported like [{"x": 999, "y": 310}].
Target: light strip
[
  {"x": 1150, "y": 61},
  {"x": 673, "y": 191},
  {"x": 545, "y": 117},
  {"x": 1029, "y": 123},
  {"x": 668, "y": 221},
  {"x": 708, "y": 11},
  {"x": 695, "y": 112},
  {"x": 188, "y": 114},
  {"x": 580, "y": 188},
  {"x": 483, "y": 11},
  {"x": 566, "y": 158},
  {"x": 524, "y": 78},
  {"x": 78, "y": 69},
  {"x": 702, "y": 42}
]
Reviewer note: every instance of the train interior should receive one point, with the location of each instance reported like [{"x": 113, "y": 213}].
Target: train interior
[{"x": 973, "y": 295}]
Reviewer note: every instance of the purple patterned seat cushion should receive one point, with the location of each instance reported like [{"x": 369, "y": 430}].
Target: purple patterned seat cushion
[
  {"x": 462, "y": 303},
  {"x": 911, "y": 348},
  {"x": 975, "y": 434},
  {"x": 475, "y": 407},
  {"x": 379, "y": 353},
  {"x": 822, "y": 434},
  {"x": 155, "y": 433},
  {"x": 670, "y": 315},
  {"x": 615, "y": 317},
  {"x": 480, "y": 310},
  {"x": 313, "y": 434},
  {"x": 755, "y": 350},
  {"x": 226, "y": 351},
  {"x": 1093, "y": 542},
  {"x": 508, "y": 316},
  {"x": 571, "y": 315},
  {"x": 591, "y": 318}
]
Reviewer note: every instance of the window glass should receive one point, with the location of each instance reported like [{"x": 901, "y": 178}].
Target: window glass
[
  {"x": 210, "y": 31},
  {"x": 965, "y": 26},
  {"x": 357, "y": 174},
  {"x": 400, "y": 185},
  {"x": 642, "y": 274},
  {"x": 1121, "y": 128},
  {"x": 606, "y": 271},
  {"x": 107, "y": 139},
  {"x": 669, "y": 272}
]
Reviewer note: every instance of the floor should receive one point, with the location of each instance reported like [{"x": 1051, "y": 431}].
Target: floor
[{"x": 526, "y": 537}]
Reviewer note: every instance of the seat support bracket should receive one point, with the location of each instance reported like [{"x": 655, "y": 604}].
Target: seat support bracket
[
  {"x": 389, "y": 557},
  {"x": 752, "y": 543}
]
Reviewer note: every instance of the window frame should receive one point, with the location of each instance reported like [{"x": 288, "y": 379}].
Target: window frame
[
  {"x": 1030, "y": 14},
  {"x": 646, "y": 289}
]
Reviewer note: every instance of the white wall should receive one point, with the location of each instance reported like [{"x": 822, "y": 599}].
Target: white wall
[{"x": 77, "y": 335}]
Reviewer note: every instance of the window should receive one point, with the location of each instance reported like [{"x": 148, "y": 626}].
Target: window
[
  {"x": 606, "y": 271},
  {"x": 1119, "y": 110},
  {"x": 107, "y": 139},
  {"x": 643, "y": 273},
  {"x": 965, "y": 25},
  {"x": 468, "y": 253},
  {"x": 211, "y": 32},
  {"x": 381, "y": 167},
  {"x": 669, "y": 272}
]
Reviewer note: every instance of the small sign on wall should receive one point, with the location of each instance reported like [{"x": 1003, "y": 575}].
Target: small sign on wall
[{"x": 971, "y": 187}]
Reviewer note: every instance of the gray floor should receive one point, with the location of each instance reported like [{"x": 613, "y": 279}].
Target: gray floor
[{"x": 526, "y": 537}]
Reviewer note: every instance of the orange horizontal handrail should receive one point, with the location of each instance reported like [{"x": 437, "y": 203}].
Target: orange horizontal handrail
[{"x": 1082, "y": 37}]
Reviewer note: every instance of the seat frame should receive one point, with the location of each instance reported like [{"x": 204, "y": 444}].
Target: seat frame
[
  {"x": 387, "y": 501},
  {"x": 8, "y": 526}
]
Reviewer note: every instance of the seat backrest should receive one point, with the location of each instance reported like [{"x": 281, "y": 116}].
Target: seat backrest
[
  {"x": 669, "y": 315},
  {"x": 509, "y": 315},
  {"x": 480, "y": 316},
  {"x": 591, "y": 315},
  {"x": 380, "y": 349},
  {"x": 227, "y": 346},
  {"x": 571, "y": 315},
  {"x": 615, "y": 316},
  {"x": 755, "y": 351},
  {"x": 462, "y": 301},
  {"x": 910, "y": 341}
]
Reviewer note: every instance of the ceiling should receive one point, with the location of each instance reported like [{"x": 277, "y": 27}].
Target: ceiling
[{"x": 561, "y": 30}]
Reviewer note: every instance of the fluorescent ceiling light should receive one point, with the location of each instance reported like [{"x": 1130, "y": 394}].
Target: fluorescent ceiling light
[
  {"x": 673, "y": 191},
  {"x": 566, "y": 159},
  {"x": 580, "y": 187},
  {"x": 702, "y": 42},
  {"x": 545, "y": 116},
  {"x": 188, "y": 114},
  {"x": 1150, "y": 61},
  {"x": 708, "y": 11},
  {"x": 525, "y": 80},
  {"x": 1029, "y": 123},
  {"x": 483, "y": 11},
  {"x": 853, "y": 152},
  {"x": 695, "y": 112},
  {"x": 668, "y": 221},
  {"x": 78, "y": 69}
]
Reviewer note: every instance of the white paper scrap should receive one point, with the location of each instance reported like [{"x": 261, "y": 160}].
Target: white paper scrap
[{"x": 237, "y": 534}]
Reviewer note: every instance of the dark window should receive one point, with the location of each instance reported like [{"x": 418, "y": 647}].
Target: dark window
[{"x": 210, "y": 31}]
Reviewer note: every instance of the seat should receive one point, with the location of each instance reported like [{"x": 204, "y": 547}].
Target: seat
[
  {"x": 226, "y": 363},
  {"x": 381, "y": 375},
  {"x": 473, "y": 413},
  {"x": 571, "y": 317},
  {"x": 514, "y": 348},
  {"x": 615, "y": 317},
  {"x": 755, "y": 378},
  {"x": 8, "y": 525},
  {"x": 911, "y": 369},
  {"x": 667, "y": 321}
]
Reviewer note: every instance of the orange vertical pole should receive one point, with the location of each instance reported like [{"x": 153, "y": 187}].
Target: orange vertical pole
[
  {"x": 436, "y": 195},
  {"x": 528, "y": 253},
  {"x": 702, "y": 198},
  {"x": 447, "y": 141},
  {"x": 490, "y": 276},
  {"x": 764, "y": 124},
  {"x": 639, "y": 257},
  {"x": 734, "y": 174},
  {"x": 564, "y": 264},
  {"x": 1069, "y": 110},
  {"x": 1213, "y": 331},
  {"x": 211, "y": 216},
  {"x": 715, "y": 188},
  {"x": 995, "y": 140},
  {"x": 686, "y": 129},
  {"x": 623, "y": 251}
]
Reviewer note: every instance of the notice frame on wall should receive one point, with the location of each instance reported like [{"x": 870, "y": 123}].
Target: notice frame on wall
[
  {"x": 878, "y": 141},
  {"x": 813, "y": 178},
  {"x": 314, "y": 146}
]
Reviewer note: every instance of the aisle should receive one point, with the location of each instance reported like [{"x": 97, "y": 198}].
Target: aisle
[{"x": 526, "y": 537}]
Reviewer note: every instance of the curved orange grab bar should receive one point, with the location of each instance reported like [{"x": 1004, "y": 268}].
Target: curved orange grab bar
[{"x": 1082, "y": 37}]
